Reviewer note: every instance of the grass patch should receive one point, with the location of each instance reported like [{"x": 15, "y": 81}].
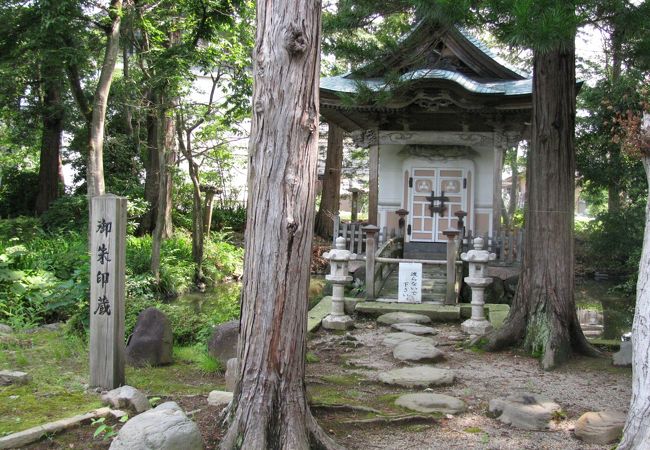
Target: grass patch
[
  {"x": 330, "y": 395},
  {"x": 343, "y": 380},
  {"x": 473, "y": 430},
  {"x": 198, "y": 355},
  {"x": 311, "y": 358}
]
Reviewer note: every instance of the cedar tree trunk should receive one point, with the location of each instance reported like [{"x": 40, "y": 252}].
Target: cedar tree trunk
[
  {"x": 269, "y": 409},
  {"x": 636, "y": 434},
  {"x": 49, "y": 170},
  {"x": 331, "y": 193},
  {"x": 543, "y": 315},
  {"x": 152, "y": 169}
]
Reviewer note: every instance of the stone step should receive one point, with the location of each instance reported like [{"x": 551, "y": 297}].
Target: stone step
[{"x": 439, "y": 313}]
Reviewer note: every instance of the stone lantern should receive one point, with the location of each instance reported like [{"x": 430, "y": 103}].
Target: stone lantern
[
  {"x": 478, "y": 258},
  {"x": 338, "y": 258}
]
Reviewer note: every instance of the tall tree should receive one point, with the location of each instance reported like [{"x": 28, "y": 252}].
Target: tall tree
[
  {"x": 331, "y": 192},
  {"x": 269, "y": 408}
]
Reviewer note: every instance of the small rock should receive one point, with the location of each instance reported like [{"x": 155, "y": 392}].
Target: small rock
[
  {"x": 414, "y": 328},
  {"x": 219, "y": 398},
  {"x": 126, "y": 397},
  {"x": 402, "y": 317},
  {"x": 8, "y": 377},
  {"x": 417, "y": 351},
  {"x": 603, "y": 427},
  {"x": 52, "y": 326},
  {"x": 232, "y": 373},
  {"x": 223, "y": 342},
  {"x": 165, "y": 427},
  {"x": 428, "y": 403},
  {"x": 456, "y": 338},
  {"x": 623, "y": 358},
  {"x": 418, "y": 376},
  {"x": 5, "y": 329},
  {"x": 393, "y": 339},
  {"x": 525, "y": 410},
  {"x": 151, "y": 343}
]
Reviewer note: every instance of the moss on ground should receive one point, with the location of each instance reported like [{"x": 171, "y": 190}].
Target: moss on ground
[{"x": 58, "y": 364}]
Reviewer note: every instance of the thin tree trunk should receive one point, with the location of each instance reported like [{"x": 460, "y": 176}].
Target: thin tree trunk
[
  {"x": 167, "y": 160},
  {"x": 543, "y": 315},
  {"x": 636, "y": 434},
  {"x": 95, "y": 175},
  {"x": 269, "y": 408},
  {"x": 185, "y": 146},
  {"x": 152, "y": 168},
  {"x": 49, "y": 171},
  {"x": 331, "y": 193}
]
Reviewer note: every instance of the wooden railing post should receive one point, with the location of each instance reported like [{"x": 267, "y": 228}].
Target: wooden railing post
[
  {"x": 450, "y": 298},
  {"x": 371, "y": 249}
]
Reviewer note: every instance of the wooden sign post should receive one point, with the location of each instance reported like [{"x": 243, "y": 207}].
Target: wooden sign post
[{"x": 107, "y": 267}]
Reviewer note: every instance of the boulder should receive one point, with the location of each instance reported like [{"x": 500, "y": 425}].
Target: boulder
[
  {"x": 165, "y": 427},
  {"x": 393, "y": 339},
  {"x": 151, "y": 343},
  {"x": 223, "y": 342},
  {"x": 429, "y": 403},
  {"x": 8, "y": 377},
  {"x": 219, "y": 398},
  {"x": 417, "y": 351},
  {"x": 402, "y": 317},
  {"x": 232, "y": 372},
  {"x": 126, "y": 397},
  {"x": 414, "y": 328},
  {"x": 525, "y": 410},
  {"x": 603, "y": 427},
  {"x": 623, "y": 358},
  {"x": 418, "y": 376},
  {"x": 5, "y": 329}
]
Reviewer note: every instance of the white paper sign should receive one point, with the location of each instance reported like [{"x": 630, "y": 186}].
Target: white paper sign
[{"x": 410, "y": 283}]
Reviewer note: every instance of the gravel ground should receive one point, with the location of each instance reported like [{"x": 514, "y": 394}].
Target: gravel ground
[{"x": 583, "y": 384}]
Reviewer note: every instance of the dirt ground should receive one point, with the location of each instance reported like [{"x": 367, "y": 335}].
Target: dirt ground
[{"x": 351, "y": 404}]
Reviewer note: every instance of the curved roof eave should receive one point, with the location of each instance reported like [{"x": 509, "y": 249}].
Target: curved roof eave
[{"x": 344, "y": 85}]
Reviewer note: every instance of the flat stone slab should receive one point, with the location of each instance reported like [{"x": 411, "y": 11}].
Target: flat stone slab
[
  {"x": 430, "y": 403},
  {"x": 219, "y": 398},
  {"x": 8, "y": 377},
  {"x": 318, "y": 313},
  {"x": 525, "y": 410},
  {"x": 603, "y": 427},
  {"x": 402, "y": 317},
  {"x": 417, "y": 351},
  {"x": 414, "y": 328},
  {"x": 623, "y": 357},
  {"x": 418, "y": 376},
  {"x": 393, "y": 339},
  {"x": 437, "y": 313}
]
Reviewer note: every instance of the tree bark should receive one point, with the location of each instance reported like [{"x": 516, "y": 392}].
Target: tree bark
[
  {"x": 49, "y": 187},
  {"x": 152, "y": 168},
  {"x": 331, "y": 193},
  {"x": 269, "y": 408},
  {"x": 543, "y": 314},
  {"x": 636, "y": 434}
]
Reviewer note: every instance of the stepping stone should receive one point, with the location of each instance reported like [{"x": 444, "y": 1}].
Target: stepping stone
[
  {"x": 219, "y": 398},
  {"x": 413, "y": 328},
  {"x": 417, "y": 351},
  {"x": 429, "y": 403},
  {"x": 418, "y": 376},
  {"x": 5, "y": 329},
  {"x": 603, "y": 427},
  {"x": 8, "y": 377},
  {"x": 393, "y": 339},
  {"x": 525, "y": 410},
  {"x": 402, "y": 317}
]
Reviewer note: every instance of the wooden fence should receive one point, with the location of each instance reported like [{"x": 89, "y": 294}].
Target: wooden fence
[
  {"x": 355, "y": 236},
  {"x": 508, "y": 245}
]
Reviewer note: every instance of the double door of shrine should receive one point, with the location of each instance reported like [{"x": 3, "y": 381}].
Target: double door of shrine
[{"x": 436, "y": 194}]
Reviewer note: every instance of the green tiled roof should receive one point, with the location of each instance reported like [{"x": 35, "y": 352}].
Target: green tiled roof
[
  {"x": 479, "y": 44},
  {"x": 343, "y": 84}
]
